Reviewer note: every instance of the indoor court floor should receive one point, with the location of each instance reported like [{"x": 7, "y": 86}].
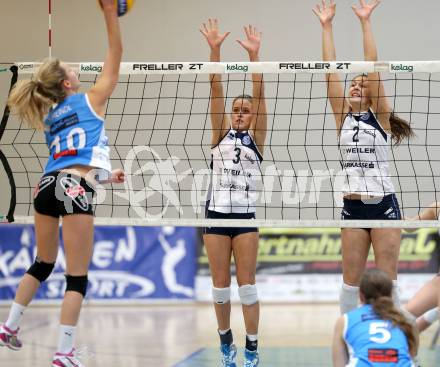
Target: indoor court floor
[{"x": 184, "y": 335}]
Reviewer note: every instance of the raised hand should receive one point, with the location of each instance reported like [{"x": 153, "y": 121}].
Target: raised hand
[
  {"x": 212, "y": 34},
  {"x": 364, "y": 10},
  {"x": 253, "y": 40},
  {"x": 325, "y": 12}
]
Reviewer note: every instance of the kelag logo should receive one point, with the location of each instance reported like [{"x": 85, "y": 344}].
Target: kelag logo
[
  {"x": 237, "y": 68},
  {"x": 401, "y": 67},
  {"x": 96, "y": 68}
]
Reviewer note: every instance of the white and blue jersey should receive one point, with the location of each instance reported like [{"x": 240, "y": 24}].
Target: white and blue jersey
[
  {"x": 75, "y": 135},
  {"x": 365, "y": 148},
  {"x": 235, "y": 167},
  {"x": 373, "y": 342}
]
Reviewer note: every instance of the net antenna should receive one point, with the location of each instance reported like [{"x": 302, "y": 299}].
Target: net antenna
[
  {"x": 50, "y": 28},
  {"x": 159, "y": 129}
]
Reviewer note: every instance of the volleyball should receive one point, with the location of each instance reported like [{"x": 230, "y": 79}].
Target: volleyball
[{"x": 123, "y": 6}]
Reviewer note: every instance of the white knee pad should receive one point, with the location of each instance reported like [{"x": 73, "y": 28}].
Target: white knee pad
[
  {"x": 248, "y": 294},
  {"x": 221, "y": 295},
  {"x": 431, "y": 316}
]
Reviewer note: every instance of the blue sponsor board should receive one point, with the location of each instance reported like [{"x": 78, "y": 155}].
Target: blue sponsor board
[{"x": 128, "y": 263}]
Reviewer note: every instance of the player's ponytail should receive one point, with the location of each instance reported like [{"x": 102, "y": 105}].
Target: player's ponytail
[
  {"x": 376, "y": 287},
  {"x": 31, "y": 99},
  {"x": 400, "y": 129}
]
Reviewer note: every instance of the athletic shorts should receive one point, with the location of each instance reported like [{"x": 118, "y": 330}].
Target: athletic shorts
[
  {"x": 386, "y": 209},
  {"x": 229, "y": 231},
  {"x": 60, "y": 193}
]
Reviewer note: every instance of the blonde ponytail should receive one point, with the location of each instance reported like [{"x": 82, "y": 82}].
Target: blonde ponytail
[{"x": 32, "y": 99}]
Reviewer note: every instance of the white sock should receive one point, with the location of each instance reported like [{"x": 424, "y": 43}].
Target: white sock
[
  {"x": 431, "y": 316},
  {"x": 252, "y": 338},
  {"x": 349, "y": 298},
  {"x": 396, "y": 294},
  {"x": 409, "y": 316},
  {"x": 223, "y": 332},
  {"x": 66, "y": 339},
  {"x": 15, "y": 314}
]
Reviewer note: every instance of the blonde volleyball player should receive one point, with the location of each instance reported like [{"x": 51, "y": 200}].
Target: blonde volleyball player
[
  {"x": 74, "y": 127},
  {"x": 424, "y": 304},
  {"x": 365, "y": 125},
  {"x": 237, "y": 149},
  {"x": 377, "y": 333}
]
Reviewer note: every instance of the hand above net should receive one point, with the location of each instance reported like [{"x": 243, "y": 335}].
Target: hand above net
[
  {"x": 212, "y": 34},
  {"x": 326, "y": 13},
  {"x": 252, "y": 42},
  {"x": 365, "y": 10}
]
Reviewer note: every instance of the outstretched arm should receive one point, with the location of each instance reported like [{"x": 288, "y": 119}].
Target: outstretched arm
[
  {"x": 108, "y": 79},
  {"x": 430, "y": 213},
  {"x": 335, "y": 90},
  {"x": 219, "y": 120},
  {"x": 339, "y": 349},
  {"x": 259, "y": 123},
  {"x": 380, "y": 103}
]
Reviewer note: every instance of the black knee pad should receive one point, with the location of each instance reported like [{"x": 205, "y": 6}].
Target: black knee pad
[
  {"x": 77, "y": 284},
  {"x": 40, "y": 270}
]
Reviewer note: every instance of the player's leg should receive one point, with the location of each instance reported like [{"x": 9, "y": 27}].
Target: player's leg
[
  {"x": 355, "y": 243},
  {"x": 245, "y": 248},
  {"x": 78, "y": 246},
  {"x": 218, "y": 248},
  {"x": 425, "y": 299},
  {"x": 427, "y": 319},
  {"x": 46, "y": 235},
  {"x": 386, "y": 246}
]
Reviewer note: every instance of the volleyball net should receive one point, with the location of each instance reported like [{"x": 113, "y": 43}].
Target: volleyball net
[{"x": 159, "y": 128}]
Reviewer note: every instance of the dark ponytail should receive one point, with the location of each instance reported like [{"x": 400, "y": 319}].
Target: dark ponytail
[
  {"x": 376, "y": 287},
  {"x": 400, "y": 129}
]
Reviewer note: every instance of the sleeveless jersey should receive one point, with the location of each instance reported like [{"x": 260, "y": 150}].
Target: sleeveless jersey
[
  {"x": 373, "y": 342},
  {"x": 234, "y": 167},
  {"x": 75, "y": 135},
  {"x": 365, "y": 148}
]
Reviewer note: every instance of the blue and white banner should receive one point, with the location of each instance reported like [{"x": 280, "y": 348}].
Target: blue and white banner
[{"x": 128, "y": 263}]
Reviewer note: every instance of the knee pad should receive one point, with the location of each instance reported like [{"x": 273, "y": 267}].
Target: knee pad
[
  {"x": 431, "y": 316},
  {"x": 221, "y": 295},
  {"x": 77, "y": 284},
  {"x": 248, "y": 294},
  {"x": 40, "y": 270}
]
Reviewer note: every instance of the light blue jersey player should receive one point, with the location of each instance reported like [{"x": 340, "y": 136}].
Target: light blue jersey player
[
  {"x": 75, "y": 135},
  {"x": 372, "y": 341},
  {"x": 376, "y": 334},
  {"x": 74, "y": 128}
]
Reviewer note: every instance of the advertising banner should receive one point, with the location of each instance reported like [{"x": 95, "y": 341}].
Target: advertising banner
[
  {"x": 128, "y": 264},
  {"x": 304, "y": 265}
]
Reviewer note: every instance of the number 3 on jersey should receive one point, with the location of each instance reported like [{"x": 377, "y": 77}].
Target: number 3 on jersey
[
  {"x": 70, "y": 139},
  {"x": 236, "y": 160},
  {"x": 379, "y": 332}
]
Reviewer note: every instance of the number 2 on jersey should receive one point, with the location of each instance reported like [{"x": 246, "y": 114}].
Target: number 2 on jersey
[{"x": 355, "y": 136}]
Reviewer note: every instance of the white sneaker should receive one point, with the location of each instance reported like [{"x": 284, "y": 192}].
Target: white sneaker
[{"x": 66, "y": 360}]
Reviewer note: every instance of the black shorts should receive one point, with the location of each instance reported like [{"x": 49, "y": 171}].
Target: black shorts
[
  {"x": 229, "y": 231},
  {"x": 386, "y": 209},
  {"x": 59, "y": 193}
]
